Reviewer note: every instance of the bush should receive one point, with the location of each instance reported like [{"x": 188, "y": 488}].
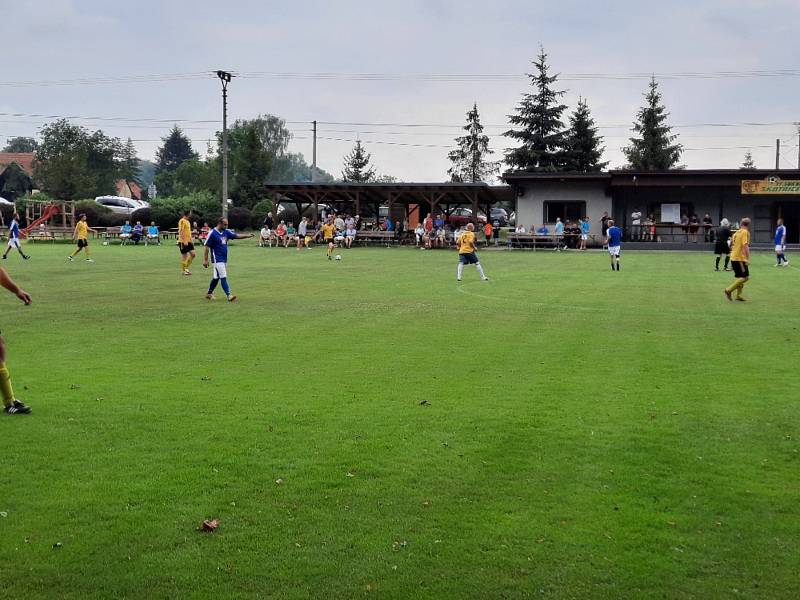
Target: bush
[
  {"x": 95, "y": 214},
  {"x": 260, "y": 211},
  {"x": 167, "y": 211},
  {"x": 143, "y": 215},
  {"x": 240, "y": 217}
]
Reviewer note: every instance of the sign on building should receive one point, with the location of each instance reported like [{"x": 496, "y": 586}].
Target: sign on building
[{"x": 771, "y": 185}]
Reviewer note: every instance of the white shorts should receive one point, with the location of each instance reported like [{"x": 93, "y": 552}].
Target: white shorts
[
  {"x": 13, "y": 243},
  {"x": 778, "y": 249},
  {"x": 584, "y": 236},
  {"x": 614, "y": 250},
  {"x": 220, "y": 270}
]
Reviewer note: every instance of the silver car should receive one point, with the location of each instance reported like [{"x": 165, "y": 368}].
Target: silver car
[{"x": 120, "y": 205}]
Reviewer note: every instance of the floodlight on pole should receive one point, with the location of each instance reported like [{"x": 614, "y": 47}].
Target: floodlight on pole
[{"x": 225, "y": 78}]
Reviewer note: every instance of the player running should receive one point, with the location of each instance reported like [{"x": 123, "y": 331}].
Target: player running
[
  {"x": 328, "y": 230},
  {"x": 740, "y": 259},
  {"x": 81, "y": 233},
  {"x": 217, "y": 244},
  {"x": 614, "y": 243},
  {"x": 466, "y": 253},
  {"x": 13, "y": 238},
  {"x": 185, "y": 245},
  {"x": 780, "y": 245},
  {"x": 12, "y": 405}
]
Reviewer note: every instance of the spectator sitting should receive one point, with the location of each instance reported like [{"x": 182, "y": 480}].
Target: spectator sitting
[
  {"x": 138, "y": 232},
  {"x": 265, "y": 237},
  {"x": 441, "y": 237},
  {"x": 419, "y": 232},
  {"x": 195, "y": 231},
  {"x": 204, "y": 231},
  {"x": 519, "y": 229},
  {"x": 280, "y": 232},
  {"x": 338, "y": 222},
  {"x": 543, "y": 230},
  {"x": 389, "y": 224},
  {"x": 350, "y": 234},
  {"x": 125, "y": 232},
  {"x": 290, "y": 234},
  {"x": 152, "y": 233}
]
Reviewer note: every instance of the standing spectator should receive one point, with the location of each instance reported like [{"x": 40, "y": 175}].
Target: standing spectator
[
  {"x": 559, "y": 233},
  {"x": 651, "y": 228},
  {"x": 585, "y": 226},
  {"x": 694, "y": 225},
  {"x": 153, "y": 234},
  {"x": 302, "y": 232},
  {"x": 204, "y": 230},
  {"x": 428, "y": 225},
  {"x": 338, "y": 223},
  {"x": 636, "y": 224},
  {"x": 708, "y": 232},
  {"x": 195, "y": 228},
  {"x": 685, "y": 228},
  {"x": 487, "y": 232},
  {"x": 740, "y": 260},
  {"x": 496, "y": 231},
  {"x": 269, "y": 221},
  {"x": 604, "y": 224},
  {"x": 349, "y": 222},
  {"x": 722, "y": 244}
]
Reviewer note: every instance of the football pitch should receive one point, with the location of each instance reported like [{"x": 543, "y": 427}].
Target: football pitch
[{"x": 371, "y": 428}]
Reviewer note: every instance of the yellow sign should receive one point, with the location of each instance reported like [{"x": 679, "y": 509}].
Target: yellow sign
[{"x": 771, "y": 185}]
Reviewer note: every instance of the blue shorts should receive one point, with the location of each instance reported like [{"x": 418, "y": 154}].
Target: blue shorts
[{"x": 468, "y": 259}]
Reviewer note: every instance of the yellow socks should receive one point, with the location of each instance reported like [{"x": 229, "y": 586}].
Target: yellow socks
[
  {"x": 189, "y": 261},
  {"x": 5, "y": 385}
]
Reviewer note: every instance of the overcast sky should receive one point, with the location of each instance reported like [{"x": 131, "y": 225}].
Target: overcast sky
[{"x": 69, "y": 40}]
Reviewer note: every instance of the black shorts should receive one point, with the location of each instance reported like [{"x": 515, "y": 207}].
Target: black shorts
[
  {"x": 186, "y": 248},
  {"x": 468, "y": 259},
  {"x": 83, "y": 243},
  {"x": 721, "y": 247},
  {"x": 740, "y": 269}
]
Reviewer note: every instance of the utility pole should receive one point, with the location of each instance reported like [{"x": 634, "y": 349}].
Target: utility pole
[
  {"x": 777, "y": 154},
  {"x": 314, "y": 154},
  {"x": 225, "y": 79}
]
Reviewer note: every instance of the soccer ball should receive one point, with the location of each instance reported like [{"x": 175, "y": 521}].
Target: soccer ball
[
  {"x": 338, "y": 257},
  {"x": 105, "y": 243}
]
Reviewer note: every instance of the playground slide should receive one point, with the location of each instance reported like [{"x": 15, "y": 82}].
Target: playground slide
[{"x": 51, "y": 210}]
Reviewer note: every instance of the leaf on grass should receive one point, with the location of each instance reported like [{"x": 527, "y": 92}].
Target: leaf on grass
[
  {"x": 424, "y": 403},
  {"x": 209, "y": 525},
  {"x": 279, "y": 481},
  {"x": 351, "y": 474}
]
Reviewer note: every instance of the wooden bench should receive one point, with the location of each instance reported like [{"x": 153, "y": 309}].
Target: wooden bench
[
  {"x": 380, "y": 237},
  {"x": 50, "y": 234}
]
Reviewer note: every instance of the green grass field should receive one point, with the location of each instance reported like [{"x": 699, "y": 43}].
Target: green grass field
[{"x": 586, "y": 434}]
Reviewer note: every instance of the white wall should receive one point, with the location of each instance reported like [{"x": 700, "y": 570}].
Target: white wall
[{"x": 530, "y": 206}]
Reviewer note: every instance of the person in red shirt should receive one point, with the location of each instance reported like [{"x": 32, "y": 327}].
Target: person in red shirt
[{"x": 487, "y": 231}]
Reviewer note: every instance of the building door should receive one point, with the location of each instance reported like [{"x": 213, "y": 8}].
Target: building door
[{"x": 790, "y": 213}]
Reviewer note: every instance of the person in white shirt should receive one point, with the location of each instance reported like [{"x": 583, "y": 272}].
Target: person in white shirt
[
  {"x": 636, "y": 224},
  {"x": 265, "y": 239},
  {"x": 519, "y": 229},
  {"x": 302, "y": 232}
]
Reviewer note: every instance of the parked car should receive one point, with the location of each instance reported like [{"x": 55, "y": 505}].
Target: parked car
[
  {"x": 461, "y": 216},
  {"x": 120, "y": 205},
  {"x": 499, "y": 215}
]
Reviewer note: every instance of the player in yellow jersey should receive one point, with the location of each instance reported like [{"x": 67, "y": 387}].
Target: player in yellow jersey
[
  {"x": 10, "y": 402},
  {"x": 81, "y": 234},
  {"x": 466, "y": 253},
  {"x": 185, "y": 244},
  {"x": 740, "y": 260},
  {"x": 328, "y": 229}
]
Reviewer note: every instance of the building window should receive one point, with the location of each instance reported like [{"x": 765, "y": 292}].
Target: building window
[{"x": 566, "y": 211}]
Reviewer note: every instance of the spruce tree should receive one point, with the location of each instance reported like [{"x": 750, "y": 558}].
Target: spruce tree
[
  {"x": 129, "y": 162},
  {"x": 177, "y": 148},
  {"x": 469, "y": 159},
  {"x": 583, "y": 145},
  {"x": 748, "y": 163},
  {"x": 653, "y": 149},
  {"x": 356, "y": 165},
  {"x": 541, "y": 131}
]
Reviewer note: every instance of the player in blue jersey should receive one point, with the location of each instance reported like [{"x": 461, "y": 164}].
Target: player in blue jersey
[
  {"x": 614, "y": 243},
  {"x": 780, "y": 245},
  {"x": 14, "y": 237},
  {"x": 217, "y": 246}
]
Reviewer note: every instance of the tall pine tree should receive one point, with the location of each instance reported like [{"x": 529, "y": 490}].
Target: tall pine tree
[
  {"x": 356, "y": 165},
  {"x": 748, "y": 163},
  {"x": 583, "y": 147},
  {"x": 469, "y": 159},
  {"x": 176, "y": 149},
  {"x": 654, "y": 148},
  {"x": 129, "y": 162},
  {"x": 541, "y": 131}
]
